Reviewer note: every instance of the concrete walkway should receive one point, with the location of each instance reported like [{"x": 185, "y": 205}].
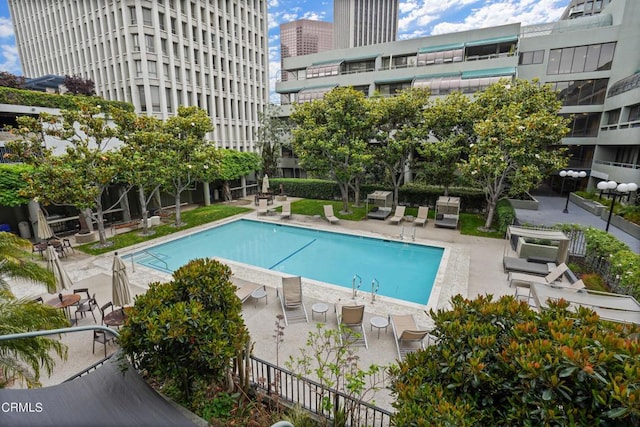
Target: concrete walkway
[{"x": 550, "y": 213}]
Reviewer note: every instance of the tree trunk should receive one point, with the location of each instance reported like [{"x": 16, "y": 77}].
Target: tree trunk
[
  {"x": 145, "y": 212},
  {"x": 178, "y": 216},
  {"x": 100, "y": 223},
  {"x": 356, "y": 192},
  {"x": 491, "y": 209},
  {"x": 344, "y": 192}
]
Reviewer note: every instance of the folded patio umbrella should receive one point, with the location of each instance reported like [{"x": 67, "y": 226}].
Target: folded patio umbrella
[
  {"x": 43, "y": 229},
  {"x": 63, "y": 281},
  {"x": 121, "y": 294}
]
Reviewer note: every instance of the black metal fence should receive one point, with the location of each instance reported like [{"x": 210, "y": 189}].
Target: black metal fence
[{"x": 313, "y": 396}]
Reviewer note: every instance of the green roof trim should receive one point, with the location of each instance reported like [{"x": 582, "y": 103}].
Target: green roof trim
[
  {"x": 396, "y": 80},
  {"x": 503, "y": 39},
  {"x": 318, "y": 87},
  {"x": 440, "y": 48},
  {"x": 436, "y": 76},
  {"x": 328, "y": 62},
  {"x": 361, "y": 58},
  {"x": 300, "y": 89},
  {"x": 491, "y": 72}
]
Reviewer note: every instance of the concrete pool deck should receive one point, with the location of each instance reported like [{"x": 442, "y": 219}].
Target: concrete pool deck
[{"x": 473, "y": 266}]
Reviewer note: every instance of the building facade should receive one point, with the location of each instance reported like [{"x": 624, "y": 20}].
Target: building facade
[
  {"x": 304, "y": 37},
  {"x": 593, "y": 61},
  {"x": 157, "y": 55},
  {"x": 364, "y": 22}
]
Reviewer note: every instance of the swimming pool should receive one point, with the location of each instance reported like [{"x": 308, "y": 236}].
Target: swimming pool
[{"x": 404, "y": 271}]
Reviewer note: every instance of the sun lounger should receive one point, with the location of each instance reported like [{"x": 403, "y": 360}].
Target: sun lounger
[
  {"x": 245, "y": 289},
  {"x": 406, "y": 333},
  {"x": 524, "y": 266},
  {"x": 291, "y": 300},
  {"x": 526, "y": 279},
  {"x": 328, "y": 213},
  {"x": 421, "y": 219},
  {"x": 262, "y": 207},
  {"x": 286, "y": 210},
  {"x": 350, "y": 320},
  {"x": 398, "y": 216}
]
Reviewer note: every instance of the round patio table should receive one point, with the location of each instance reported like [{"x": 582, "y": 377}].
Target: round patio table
[{"x": 64, "y": 303}]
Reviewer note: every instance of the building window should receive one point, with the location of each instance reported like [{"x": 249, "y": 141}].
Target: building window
[
  {"x": 146, "y": 17},
  {"x": 582, "y": 92},
  {"x": 148, "y": 41},
  {"x": 634, "y": 113},
  {"x": 581, "y": 59},
  {"x": 143, "y": 101},
  {"x": 136, "y": 43},
  {"x": 153, "y": 69},
  {"x": 138, "y": 68},
  {"x": 531, "y": 57},
  {"x": 132, "y": 15},
  {"x": 613, "y": 116},
  {"x": 446, "y": 56},
  {"x": 391, "y": 89},
  {"x": 155, "y": 99},
  {"x": 584, "y": 125}
]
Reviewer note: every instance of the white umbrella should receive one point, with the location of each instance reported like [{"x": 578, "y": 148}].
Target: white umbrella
[
  {"x": 63, "y": 281},
  {"x": 43, "y": 229},
  {"x": 121, "y": 295},
  {"x": 265, "y": 183}
]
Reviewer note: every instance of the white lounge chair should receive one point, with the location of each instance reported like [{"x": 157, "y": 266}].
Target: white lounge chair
[
  {"x": 291, "y": 300},
  {"x": 262, "y": 207},
  {"x": 398, "y": 215},
  {"x": 286, "y": 210},
  {"x": 245, "y": 288},
  {"x": 523, "y": 280},
  {"x": 421, "y": 219},
  {"x": 524, "y": 266},
  {"x": 406, "y": 333},
  {"x": 350, "y": 320},
  {"x": 328, "y": 213}
]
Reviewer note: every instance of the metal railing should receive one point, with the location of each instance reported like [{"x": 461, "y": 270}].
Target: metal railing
[{"x": 311, "y": 395}]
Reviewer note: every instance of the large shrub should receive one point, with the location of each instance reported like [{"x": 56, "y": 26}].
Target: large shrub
[
  {"x": 188, "y": 329},
  {"x": 500, "y": 363}
]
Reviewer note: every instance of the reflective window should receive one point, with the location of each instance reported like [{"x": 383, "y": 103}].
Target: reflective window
[
  {"x": 634, "y": 113},
  {"x": 324, "y": 70},
  {"x": 613, "y": 116},
  {"x": 581, "y": 92},
  {"x": 531, "y": 57},
  {"x": 584, "y": 124},
  {"x": 307, "y": 95},
  {"x": 624, "y": 85},
  {"x": 581, "y": 59},
  {"x": 391, "y": 89}
]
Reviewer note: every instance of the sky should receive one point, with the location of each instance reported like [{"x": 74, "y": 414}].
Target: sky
[{"x": 417, "y": 18}]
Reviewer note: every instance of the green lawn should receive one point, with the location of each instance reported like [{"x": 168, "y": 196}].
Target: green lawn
[{"x": 192, "y": 218}]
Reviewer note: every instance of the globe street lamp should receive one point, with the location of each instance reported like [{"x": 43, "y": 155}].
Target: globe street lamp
[
  {"x": 570, "y": 174},
  {"x": 612, "y": 188}
]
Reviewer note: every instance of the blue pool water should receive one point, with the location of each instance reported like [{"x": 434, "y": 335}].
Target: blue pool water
[{"x": 405, "y": 271}]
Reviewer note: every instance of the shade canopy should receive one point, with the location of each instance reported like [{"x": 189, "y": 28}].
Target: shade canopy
[
  {"x": 43, "y": 229},
  {"x": 63, "y": 281},
  {"x": 554, "y": 235},
  {"x": 111, "y": 395},
  {"x": 121, "y": 293}
]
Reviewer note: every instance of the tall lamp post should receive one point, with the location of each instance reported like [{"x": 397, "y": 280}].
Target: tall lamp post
[
  {"x": 612, "y": 188},
  {"x": 570, "y": 174}
]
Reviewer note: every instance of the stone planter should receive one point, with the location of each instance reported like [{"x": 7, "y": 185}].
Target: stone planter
[
  {"x": 281, "y": 198},
  {"x": 526, "y": 250},
  {"x": 627, "y": 226},
  {"x": 587, "y": 204},
  {"x": 86, "y": 237},
  {"x": 531, "y": 204}
]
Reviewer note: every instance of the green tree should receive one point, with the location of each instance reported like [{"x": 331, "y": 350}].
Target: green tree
[
  {"x": 144, "y": 137},
  {"x": 272, "y": 135},
  {"x": 82, "y": 175},
  {"x": 185, "y": 153},
  {"x": 450, "y": 121},
  {"x": 501, "y": 363},
  {"x": 189, "y": 329},
  {"x": 22, "y": 359},
  {"x": 12, "y": 184},
  {"x": 519, "y": 132},
  {"x": 397, "y": 124},
  {"x": 331, "y": 136},
  {"x": 235, "y": 164}
]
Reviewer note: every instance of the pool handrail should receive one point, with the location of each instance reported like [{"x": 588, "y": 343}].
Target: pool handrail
[{"x": 353, "y": 285}]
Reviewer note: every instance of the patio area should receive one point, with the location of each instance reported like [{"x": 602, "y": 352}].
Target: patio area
[{"x": 471, "y": 266}]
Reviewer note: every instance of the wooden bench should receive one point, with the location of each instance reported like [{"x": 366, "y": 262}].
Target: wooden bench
[{"x": 127, "y": 224}]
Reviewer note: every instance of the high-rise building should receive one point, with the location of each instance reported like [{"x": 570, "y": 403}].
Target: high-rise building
[
  {"x": 157, "y": 55},
  {"x": 364, "y": 22},
  {"x": 305, "y": 36},
  {"x": 591, "y": 61}
]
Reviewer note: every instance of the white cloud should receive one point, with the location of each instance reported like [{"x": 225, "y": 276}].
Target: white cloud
[{"x": 9, "y": 59}]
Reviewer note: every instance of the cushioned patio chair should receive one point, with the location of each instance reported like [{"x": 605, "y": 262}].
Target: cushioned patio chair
[
  {"x": 286, "y": 210},
  {"x": 398, "y": 215},
  {"x": 262, "y": 207},
  {"x": 406, "y": 333},
  {"x": 350, "y": 320},
  {"x": 524, "y": 266},
  {"x": 291, "y": 299},
  {"x": 421, "y": 219},
  {"x": 328, "y": 213}
]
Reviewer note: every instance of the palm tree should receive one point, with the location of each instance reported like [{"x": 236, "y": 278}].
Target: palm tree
[
  {"x": 14, "y": 263},
  {"x": 23, "y": 359}
]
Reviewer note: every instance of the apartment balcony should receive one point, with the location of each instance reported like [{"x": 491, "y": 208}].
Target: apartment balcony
[{"x": 619, "y": 172}]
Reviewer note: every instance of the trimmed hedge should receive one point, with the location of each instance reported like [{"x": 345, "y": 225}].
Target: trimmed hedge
[
  {"x": 471, "y": 200},
  {"x": 53, "y": 100},
  {"x": 505, "y": 215}
]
